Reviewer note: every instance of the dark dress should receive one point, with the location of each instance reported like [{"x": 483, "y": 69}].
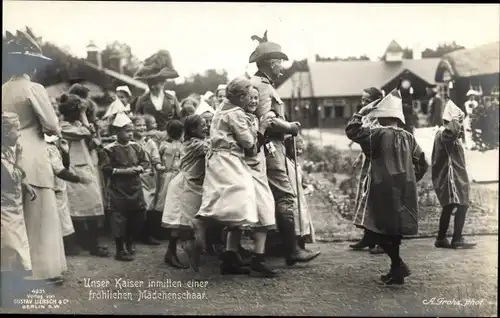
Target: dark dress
[
  {"x": 170, "y": 109},
  {"x": 387, "y": 202},
  {"x": 449, "y": 173},
  {"x": 125, "y": 197},
  {"x": 435, "y": 111}
]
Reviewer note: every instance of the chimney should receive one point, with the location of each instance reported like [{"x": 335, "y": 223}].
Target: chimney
[
  {"x": 417, "y": 52},
  {"x": 94, "y": 55}
]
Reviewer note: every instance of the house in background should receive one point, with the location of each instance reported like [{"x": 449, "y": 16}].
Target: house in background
[
  {"x": 331, "y": 91},
  {"x": 101, "y": 82},
  {"x": 477, "y": 68}
]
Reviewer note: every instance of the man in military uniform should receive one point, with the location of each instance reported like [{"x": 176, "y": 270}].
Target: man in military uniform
[{"x": 268, "y": 57}]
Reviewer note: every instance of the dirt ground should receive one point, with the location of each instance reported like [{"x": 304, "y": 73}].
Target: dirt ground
[{"x": 339, "y": 282}]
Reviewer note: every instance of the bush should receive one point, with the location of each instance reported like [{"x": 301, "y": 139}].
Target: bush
[{"x": 485, "y": 125}]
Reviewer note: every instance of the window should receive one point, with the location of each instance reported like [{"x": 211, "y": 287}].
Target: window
[
  {"x": 339, "y": 111},
  {"x": 328, "y": 111}
]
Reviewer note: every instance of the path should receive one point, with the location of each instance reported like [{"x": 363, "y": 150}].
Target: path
[
  {"x": 482, "y": 167},
  {"x": 339, "y": 282}
]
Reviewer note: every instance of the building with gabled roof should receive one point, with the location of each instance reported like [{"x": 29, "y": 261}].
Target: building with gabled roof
[{"x": 330, "y": 91}]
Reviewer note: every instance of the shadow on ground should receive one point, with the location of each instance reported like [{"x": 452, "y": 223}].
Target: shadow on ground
[{"x": 339, "y": 282}]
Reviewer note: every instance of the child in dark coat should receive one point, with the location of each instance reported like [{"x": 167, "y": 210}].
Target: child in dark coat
[{"x": 123, "y": 162}]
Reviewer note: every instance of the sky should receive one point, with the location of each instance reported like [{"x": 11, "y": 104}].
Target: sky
[{"x": 200, "y": 36}]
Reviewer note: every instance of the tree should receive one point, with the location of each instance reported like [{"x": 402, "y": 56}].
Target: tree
[
  {"x": 485, "y": 125},
  {"x": 118, "y": 57},
  {"x": 350, "y": 58},
  {"x": 199, "y": 83},
  {"x": 442, "y": 49}
]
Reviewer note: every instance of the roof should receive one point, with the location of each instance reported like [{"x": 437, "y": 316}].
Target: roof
[
  {"x": 349, "y": 78},
  {"x": 297, "y": 80},
  {"x": 55, "y": 91},
  {"x": 481, "y": 60},
  {"x": 394, "y": 47},
  {"x": 122, "y": 77}
]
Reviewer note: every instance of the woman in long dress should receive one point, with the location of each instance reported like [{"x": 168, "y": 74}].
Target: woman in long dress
[
  {"x": 228, "y": 189},
  {"x": 30, "y": 101}
]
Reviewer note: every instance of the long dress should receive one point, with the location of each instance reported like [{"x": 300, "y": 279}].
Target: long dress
[
  {"x": 32, "y": 104},
  {"x": 263, "y": 194},
  {"x": 170, "y": 154},
  {"x": 185, "y": 191},
  {"x": 61, "y": 192},
  {"x": 449, "y": 174},
  {"x": 389, "y": 204},
  {"x": 303, "y": 225},
  {"x": 228, "y": 189},
  {"x": 149, "y": 179},
  {"x": 14, "y": 241},
  {"x": 85, "y": 200}
]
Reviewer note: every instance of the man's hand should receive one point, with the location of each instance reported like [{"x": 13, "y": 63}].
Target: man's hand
[
  {"x": 138, "y": 169},
  {"x": 295, "y": 127}
]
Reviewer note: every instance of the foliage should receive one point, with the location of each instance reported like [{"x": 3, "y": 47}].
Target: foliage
[
  {"x": 485, "y": 125},
  {"x": 199, "y": 83},
  {"x": 350, "y": 58},
  {"x": 117, "y": 55}
]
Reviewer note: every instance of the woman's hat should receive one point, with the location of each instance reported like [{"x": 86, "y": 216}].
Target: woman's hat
[
  {"x": 115, "y": 108},
  {"x": 121, "y": 120},
  {"x": 24, "y": 46},
  {"x": 124, "y": 89},
  {"x": 266, "y": 50},
  {"x": 390, "y": 106},
  {"x": 157, "y": 66},
  {"x": 452, "y": 111}
]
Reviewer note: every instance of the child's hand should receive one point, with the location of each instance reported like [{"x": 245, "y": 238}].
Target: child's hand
[
  {"x": 85, "y": 180},
  {"x": 63, "y": 144},
  {"x": 367, "y": 109},
  {"x": 266, "y": 123},
  {"x": 160, "y": 168},
  {"x": 29, "y": 191}
]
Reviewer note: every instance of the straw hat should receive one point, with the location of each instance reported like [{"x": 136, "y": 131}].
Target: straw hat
[
  {"x": 23, "y": 48},
  {"x": 266, "y": 50},
  {"x": 390, "y": 106},
  {"x": 157, "y": 66}
]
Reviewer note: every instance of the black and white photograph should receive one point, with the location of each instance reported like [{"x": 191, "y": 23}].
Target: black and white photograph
[{"x": 234, "y": 158}]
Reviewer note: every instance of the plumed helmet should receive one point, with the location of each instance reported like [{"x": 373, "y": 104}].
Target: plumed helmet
[
  {"x": 266, "y": 50},
  {"x": 157, "y": 66}
]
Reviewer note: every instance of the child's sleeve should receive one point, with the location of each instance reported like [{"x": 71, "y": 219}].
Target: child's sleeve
[
  {"x": 364, "y": 136},
  {"x": 105, "y": 161},
  {"x": 154, "y": 153},
  {"x": 74, "y": 133},
  {"x": 241, "y": 129},
  {"x": 419, "y": 162},
  {"x": 143, "y": 158},
  {"x": 55, "y": 159}
]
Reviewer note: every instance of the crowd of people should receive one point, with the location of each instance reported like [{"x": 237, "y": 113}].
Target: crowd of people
[{"x": 199, "y": 173}]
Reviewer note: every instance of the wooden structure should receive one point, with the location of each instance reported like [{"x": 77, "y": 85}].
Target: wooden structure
[{"x": 476, "y": 68}]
